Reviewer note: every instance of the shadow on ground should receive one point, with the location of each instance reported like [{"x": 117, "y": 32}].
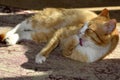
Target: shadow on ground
[{"x": 18, "y": 60}]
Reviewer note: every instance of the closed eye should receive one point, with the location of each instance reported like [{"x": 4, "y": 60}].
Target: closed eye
[{"x": 92, "y": 31}]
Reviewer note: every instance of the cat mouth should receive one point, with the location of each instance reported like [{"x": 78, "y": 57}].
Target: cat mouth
[{"x": 80, "y": 42}]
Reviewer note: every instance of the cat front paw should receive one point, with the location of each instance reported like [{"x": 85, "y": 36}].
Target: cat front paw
[{"x": 39, "y": 59}]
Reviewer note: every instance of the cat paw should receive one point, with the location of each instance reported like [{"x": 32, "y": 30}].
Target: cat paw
[{"x": 40, "y": 59}]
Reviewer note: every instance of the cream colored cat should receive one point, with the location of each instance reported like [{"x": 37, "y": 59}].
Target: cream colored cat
[{"x": 88, "y": 43}]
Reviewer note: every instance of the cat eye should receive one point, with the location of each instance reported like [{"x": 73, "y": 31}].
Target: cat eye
[
  {"x": 93, "y": 33},
  {"x": 89, "y": 30}
]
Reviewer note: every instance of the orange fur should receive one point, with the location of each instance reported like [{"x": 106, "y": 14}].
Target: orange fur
[
  {"x": 50, "y": 20},
  {"x": 82, "y": 35},
  {"x": 101, "y": 34}
]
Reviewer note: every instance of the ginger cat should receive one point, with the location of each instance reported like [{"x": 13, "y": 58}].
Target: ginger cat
[
  {"x": 83, "y": 35},
  {"x": 42, "y": 25},
  {"x": 88, "y": 43}
]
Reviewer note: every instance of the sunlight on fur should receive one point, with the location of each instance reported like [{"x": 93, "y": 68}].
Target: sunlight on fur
[{"x": 82, "y": 35}]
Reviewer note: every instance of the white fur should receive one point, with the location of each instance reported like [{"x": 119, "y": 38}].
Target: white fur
[
  {"x": 19, "y": 32},
  {"x": 12, "y": 39},
  {"x": 25, "y": 30},
  {"x": 40, "y": 59},
  {"x": 91, "y": 50},
  {"x": 84, "y": 28}
]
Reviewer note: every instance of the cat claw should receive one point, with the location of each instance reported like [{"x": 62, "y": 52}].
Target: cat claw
[{"x": 40, "y": 59}]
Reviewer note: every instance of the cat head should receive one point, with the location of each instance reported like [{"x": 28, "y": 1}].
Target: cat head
[{"x": 100, "y": 29}]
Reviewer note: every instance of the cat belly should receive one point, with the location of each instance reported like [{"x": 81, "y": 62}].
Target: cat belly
[
  {"x": 41, "y": 36},
  {"x": 24, "y": 30}
]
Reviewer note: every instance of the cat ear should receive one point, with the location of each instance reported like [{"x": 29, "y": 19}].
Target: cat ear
[
  {"x": 110, "y": 26},
  {"x": 105, "y": 13}
]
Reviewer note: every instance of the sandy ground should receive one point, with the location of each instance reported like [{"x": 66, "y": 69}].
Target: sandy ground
[{"x": 17, "y": 62}]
